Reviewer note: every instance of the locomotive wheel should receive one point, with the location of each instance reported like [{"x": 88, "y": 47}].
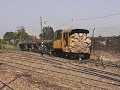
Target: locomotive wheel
[
  {"x": 87, "y": 56},
  {"x": 83, "y": 56},
  {"x": 58, "y": 53}
]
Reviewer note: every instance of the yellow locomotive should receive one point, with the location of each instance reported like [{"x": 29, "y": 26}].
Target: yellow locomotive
[{"x": 72, "y": 43}]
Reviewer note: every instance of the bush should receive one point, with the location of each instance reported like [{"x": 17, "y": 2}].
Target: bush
[{"x": 8, "y": 47}]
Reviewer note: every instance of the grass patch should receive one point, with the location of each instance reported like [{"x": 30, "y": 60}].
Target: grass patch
[{"x": 8, "y": 47}]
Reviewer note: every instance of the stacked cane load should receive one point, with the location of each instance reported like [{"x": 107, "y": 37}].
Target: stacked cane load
[{"x": 80, "y": 43}]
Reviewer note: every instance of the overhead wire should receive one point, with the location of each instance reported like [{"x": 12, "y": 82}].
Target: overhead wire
[
  {"x": 110, "y": 15},
  {"x": 63, "y": 24},
  {"x": 106, "y": 16}
]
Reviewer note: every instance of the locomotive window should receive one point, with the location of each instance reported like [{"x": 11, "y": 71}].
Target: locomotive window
[
  {"x": 59, "y": 35},
  {"x": 55, "y": 36},
  {"x": 65, "y": 37}
]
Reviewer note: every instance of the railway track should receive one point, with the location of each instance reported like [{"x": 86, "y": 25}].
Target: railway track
[
  {"x": 83, "y": 70},
  {"x": 5, "y": 85},
  {"x": 36, "y": 59},
  {"x": 98, "y": 63},
  {"x": 86, "y": 69},
  {"x": 10, "y": 81},
  {"x": 39, "y": 72},
  {"x": 55, "y": 62}
]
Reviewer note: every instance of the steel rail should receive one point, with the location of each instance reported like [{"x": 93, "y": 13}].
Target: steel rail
[{"x": 4, "y": 84}]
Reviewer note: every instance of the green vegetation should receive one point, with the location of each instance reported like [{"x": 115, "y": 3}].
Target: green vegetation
[
  {"x": 47, "y": 34},
  {"x": 13, "y": 37},
  {"x": 11, "y": 40},
  {"x": 22, "y": 35},
  {"x": 8, "y": 47}
]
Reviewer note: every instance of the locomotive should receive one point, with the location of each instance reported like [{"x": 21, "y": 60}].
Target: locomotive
[{"x": 71, "y": 43}]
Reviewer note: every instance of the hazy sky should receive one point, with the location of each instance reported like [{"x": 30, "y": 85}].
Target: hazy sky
[{"x": 60, "y": 14}]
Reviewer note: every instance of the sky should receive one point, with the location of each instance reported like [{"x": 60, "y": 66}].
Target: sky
[{"x": 60, "y": 14}]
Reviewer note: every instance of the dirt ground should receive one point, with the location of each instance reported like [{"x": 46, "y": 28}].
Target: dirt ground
[{"x": 45, "y": 76}]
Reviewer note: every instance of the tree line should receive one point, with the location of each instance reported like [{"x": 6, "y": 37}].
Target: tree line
[{"x": 22, "y": 36}]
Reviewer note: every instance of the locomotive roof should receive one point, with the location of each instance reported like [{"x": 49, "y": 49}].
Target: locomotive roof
[
  {"x": 79, "y": 31},
  {"x": 76, "y": 31}
]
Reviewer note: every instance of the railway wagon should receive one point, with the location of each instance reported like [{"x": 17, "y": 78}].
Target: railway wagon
[{"x": 43, "y": 46}]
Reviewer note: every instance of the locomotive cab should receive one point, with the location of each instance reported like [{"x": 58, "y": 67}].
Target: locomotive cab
[{"x": 57, "y": 44}]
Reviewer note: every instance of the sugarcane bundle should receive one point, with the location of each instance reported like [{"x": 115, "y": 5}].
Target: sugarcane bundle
[{"x": 80, "y": 43}]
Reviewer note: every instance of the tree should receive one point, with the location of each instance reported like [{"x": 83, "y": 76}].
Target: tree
[
  {"x": 0, "y": 44},
  {"x": 47, "y": 33},
  {"x": 22, "y": 35},
  {"x": 9, "y": 35}
]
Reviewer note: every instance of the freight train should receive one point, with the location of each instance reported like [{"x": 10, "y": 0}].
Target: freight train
[{"x": 71, "y": 43}]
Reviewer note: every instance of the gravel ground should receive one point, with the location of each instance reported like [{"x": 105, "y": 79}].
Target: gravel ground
[{"x": 29, "y": 78}]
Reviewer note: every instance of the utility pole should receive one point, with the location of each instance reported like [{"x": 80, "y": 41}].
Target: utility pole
[
  {"x": 0, "y": 44},
  {"x": 41, "y": 24},
  {"x": 93, "y": 41},
  {"x": 72, "y": 23}
]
